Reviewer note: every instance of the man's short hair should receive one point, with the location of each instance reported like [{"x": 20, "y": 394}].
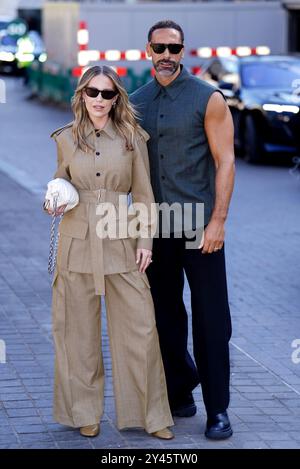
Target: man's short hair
[{"x": 165, "y": 24}]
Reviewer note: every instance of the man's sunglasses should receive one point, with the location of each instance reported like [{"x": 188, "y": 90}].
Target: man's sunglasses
[
  {"x": 106, "y": 94},
  {"x": 160, "y": 48}
]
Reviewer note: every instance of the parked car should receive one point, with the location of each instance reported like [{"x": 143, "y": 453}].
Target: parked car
[
  {"x": 8, "y": 50},
  {"x": 263, "y": 93},
  {"x": 18, "y": 53}
]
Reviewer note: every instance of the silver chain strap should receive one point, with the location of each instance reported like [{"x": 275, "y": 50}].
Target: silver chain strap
[{"x": 54, "y": 236}]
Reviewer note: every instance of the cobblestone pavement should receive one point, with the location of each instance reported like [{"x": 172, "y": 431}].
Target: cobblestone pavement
[{"x": 263, "y": 258}]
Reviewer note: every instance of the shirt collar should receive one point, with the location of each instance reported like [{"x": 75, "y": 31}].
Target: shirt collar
[
  {"x": 109, "y": 129},
  {"x": 174, "y": 88}
]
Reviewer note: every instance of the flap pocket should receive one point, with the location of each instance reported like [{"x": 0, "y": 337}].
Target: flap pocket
[
  {"x": 118, "y": 228},
  {"x": 73, "y": 228}
]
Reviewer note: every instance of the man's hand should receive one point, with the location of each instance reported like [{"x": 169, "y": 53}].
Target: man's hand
[
  {"x": 143, "y": 257},
  {"x": 213, "y": 237}
]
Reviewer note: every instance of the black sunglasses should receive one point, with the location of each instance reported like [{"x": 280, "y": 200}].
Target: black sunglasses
[
  {"x": 106, "y": 94},
  {"x": 160, "y": 48}
]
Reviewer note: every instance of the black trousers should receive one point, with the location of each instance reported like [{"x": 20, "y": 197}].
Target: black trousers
[{"x": 211, "y": 323}]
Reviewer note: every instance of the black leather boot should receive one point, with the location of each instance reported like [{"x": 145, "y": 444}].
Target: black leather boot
[{"x": 218, "y": 427}]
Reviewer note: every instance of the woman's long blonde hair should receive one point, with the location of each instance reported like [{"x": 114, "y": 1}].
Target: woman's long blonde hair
[{"x": 123, "y": 114}]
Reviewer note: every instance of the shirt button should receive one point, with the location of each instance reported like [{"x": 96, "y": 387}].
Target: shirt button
[
  {"x": 97, "y": 153},
  {"x": 97, "y": 135},
  {"x": 163, "y": 178},
  {"x": 98, "y": 174}
]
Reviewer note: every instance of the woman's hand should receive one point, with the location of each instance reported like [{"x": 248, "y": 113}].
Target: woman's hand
[
  {"x": 143, "y": 257},
  {"x": 59, "y": 211}
]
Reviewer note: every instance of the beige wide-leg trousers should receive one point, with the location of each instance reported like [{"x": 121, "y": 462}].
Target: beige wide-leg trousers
[{"x": 138, "y": 374}]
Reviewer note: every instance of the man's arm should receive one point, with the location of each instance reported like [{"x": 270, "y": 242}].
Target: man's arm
[{"x": 219, "y": 130}]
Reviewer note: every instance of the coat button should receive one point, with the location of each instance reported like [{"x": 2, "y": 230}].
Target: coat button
[
  {"x": 97, "y": 153},
  {"x": 98, "y": 174},
  {"x": 163, "y": 178},
  {"x": 162, "y": 156},
  {"x": 161, "y": 115},
  {"x": 161, "y": 135}
]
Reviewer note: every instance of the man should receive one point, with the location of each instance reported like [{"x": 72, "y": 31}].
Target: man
[{"x": 192, "y": 161}]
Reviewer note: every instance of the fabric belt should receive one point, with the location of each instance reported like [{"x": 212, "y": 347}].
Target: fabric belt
[{"x": 100, "y": 195}]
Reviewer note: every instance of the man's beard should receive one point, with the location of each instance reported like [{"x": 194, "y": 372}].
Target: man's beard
[{"x": 170, "y": 70}]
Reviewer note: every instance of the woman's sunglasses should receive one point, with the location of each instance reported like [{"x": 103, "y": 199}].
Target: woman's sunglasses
[
  {"x": 106, "y": 94},
  {"x": 160, "y": 48}
]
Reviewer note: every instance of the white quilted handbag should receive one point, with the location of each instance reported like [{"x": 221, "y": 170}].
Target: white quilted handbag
[{"x": 59, "y": 192}]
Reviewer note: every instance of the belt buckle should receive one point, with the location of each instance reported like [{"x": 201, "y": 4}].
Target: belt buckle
[{"x": 100, "y": 193}]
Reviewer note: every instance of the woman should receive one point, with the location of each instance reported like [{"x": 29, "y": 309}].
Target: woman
[{"x": 103, "y": 153}]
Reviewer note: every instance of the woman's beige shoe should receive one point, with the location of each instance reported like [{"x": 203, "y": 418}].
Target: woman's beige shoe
[
  {"x": 164, "y": 434},
  {"x": 90, "y": 430}
]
